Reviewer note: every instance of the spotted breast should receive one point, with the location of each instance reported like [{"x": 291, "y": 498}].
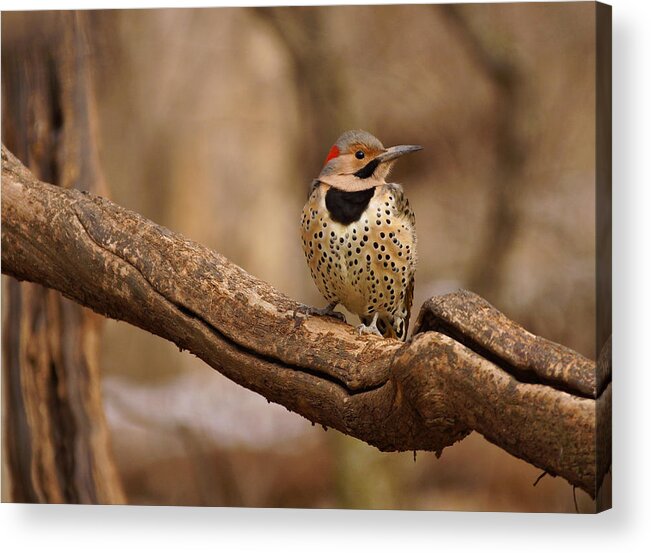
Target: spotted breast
[{"x": 361, "y": 251}]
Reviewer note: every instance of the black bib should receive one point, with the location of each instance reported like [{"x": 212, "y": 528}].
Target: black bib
[{"x": 347, "y": 207}]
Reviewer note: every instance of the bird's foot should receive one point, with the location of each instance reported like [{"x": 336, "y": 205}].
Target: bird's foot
[
  {"x": 328, "y": 311},
  {"x": 369, "y": 329}
]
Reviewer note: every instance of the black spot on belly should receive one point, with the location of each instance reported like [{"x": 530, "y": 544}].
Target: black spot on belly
[{"x": 347, "y": 207}]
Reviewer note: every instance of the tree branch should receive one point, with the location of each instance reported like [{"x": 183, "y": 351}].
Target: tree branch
[{"x": 476, "y": 371}]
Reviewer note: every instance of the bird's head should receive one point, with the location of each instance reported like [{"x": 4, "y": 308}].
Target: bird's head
[{"x": 359, "y": 161}]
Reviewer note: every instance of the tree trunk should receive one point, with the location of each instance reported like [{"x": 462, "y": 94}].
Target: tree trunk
[{"x": 56, "y": 440}]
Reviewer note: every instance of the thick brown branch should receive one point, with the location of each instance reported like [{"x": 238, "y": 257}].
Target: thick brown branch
[
  {"x": 475, "y": 323},
  {"x": 425, "y": 395}
]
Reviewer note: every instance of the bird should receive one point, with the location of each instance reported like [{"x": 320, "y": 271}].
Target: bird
[{"x": 359, "y": 235}]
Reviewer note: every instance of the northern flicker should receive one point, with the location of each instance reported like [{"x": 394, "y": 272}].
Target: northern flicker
[{"x": 359, "y": 235}]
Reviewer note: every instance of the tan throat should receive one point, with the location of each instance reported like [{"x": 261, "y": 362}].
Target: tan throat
[{"x": 351, "y": 183}]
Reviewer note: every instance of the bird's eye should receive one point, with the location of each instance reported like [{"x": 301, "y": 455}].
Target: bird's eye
[{"x": 359, "y": 154}]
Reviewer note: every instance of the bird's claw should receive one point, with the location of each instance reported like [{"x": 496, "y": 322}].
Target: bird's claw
[
  {"x": 321, "y": 312},
  {"x": 369, "y": 329}
]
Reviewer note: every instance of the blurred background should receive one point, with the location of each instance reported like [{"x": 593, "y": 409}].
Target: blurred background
[{"x": 212, "y": 122}]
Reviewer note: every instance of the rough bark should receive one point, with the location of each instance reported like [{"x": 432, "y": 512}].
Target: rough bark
[
  {"x": 54, "y": 431},
  {"x": 422, "y": 395}
]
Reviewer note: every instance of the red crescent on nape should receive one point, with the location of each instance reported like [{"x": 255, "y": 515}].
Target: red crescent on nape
[{"x": 334, "y": 152}]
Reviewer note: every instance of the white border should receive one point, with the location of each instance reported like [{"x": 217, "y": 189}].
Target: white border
[{"x": 625, "y": 528}]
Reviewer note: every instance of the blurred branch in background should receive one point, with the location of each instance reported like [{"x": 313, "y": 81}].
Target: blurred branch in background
[
  {"x": 56, "y": 445},
  {"x": 500, "y": 68},
  {"x": 318, "y": 78},
  {"x": 477, "y": 371}
]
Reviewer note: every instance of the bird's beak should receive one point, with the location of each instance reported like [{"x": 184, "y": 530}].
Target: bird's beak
[{"x": 396, "y": 151}]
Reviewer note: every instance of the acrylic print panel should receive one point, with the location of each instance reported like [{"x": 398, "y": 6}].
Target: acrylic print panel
[{"x": 140, "y": 366}]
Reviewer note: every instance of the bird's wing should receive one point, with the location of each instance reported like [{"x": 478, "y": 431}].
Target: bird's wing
[
  {"x": 402, "y": 203},
  {"x": 409, "y": 298},
  {"x": 403, "y": 208},
  {"x": 312, "y": 188}
]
